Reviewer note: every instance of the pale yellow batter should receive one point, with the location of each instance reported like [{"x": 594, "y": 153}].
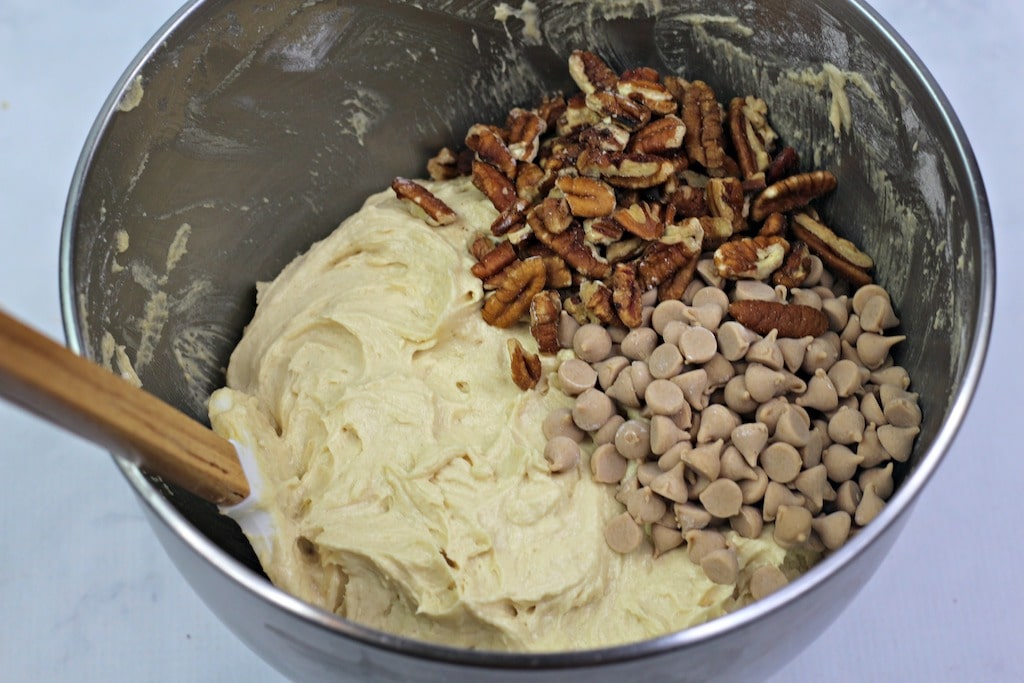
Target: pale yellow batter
[{"x": 405, "y": 471}]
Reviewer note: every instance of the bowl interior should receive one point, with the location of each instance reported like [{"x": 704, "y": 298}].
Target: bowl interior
[{"x": 261, "y": 126}]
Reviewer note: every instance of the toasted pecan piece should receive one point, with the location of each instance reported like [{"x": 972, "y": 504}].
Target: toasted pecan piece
[
  {"x": 437, "y": 212},
  {"x": 511, "y": 301},
  {"x": 544, "y": 312},
  {"x": 525, "y": 366},
  {"x": 791, "y": 320}
]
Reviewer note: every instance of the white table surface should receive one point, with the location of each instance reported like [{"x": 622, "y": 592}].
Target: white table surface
[{"x": 87, "y": 594}]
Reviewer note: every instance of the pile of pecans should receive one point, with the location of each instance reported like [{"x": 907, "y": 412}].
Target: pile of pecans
[{"x": 725, "y": 369}]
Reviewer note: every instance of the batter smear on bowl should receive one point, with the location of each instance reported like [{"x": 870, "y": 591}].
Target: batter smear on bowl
[{"x": 607, "y": 374}]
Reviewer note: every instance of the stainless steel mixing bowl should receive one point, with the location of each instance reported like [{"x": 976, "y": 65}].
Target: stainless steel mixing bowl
[{"x": 261, "y": 125}]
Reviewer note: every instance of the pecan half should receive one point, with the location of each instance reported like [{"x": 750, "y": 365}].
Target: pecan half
[
  {"x": 750, "y": 257},
  {"x": 435, "y": 210},
  {"x": 795, "y": 268},
  {"x": 791, "y": 193},
  {"x": 550, "y": 215},
  {"x": 525, "y": 366},
  {"x": 603, "y": 231},
  {"x": 627, "y": 295},
  {"x": 790, "y": 320},
  {"x": 852, "y": 273},
  {"x": 587, "y": 197},
  {"x": 558, "y": 274},
  {"x": 511, "y": 219},
  {"x": 532, "y": 181},
  {"x": 490, "y": 147},
  {"x": 511, "y": 301},
  {"x": 688, "y": 201},
  {"x": 703, "y": 118},
  {"x": 494, "y": 184},
  {"x": 640, "y": 219},
  {"x": 752, "y": 137},
  {"x": 590, "y": 72},
  {"x": 659, "y": 136},
  {"x": 544, "y": 311}
]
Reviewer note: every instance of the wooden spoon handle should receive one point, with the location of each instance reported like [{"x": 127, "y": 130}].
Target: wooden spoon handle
[{"x": 51, "y": 381}]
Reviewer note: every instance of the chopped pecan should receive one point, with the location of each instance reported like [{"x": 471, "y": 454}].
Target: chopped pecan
[
  {"x": 652, "y": 94},
  {"x": 481, "y": 246},
  {"x": 549, "y": 109},
  {"x": 490, "y": 147},
  {"x": 506, "y": 306},
  {"x": 435, "y": 210},
  {"x": 625, "y": 250},
  {"x": 640, "y": 219},
  {"x": 790, "y": 320},
  {"x": 590, "y": 72},
  {"x": 574, "y": 306},
  {"x": 509, "y": 220},
  {"x": 587, "y": 197},
  {"x": 783, "y": 164},
  {"x": 598, "y": 300},
  {"x": 629, "y": 114},
  {"x": 843, "y": 247},
  {"x": 689, "y": 233},
  {"x": 495, "y": 185},
  {"x": 825, "y": 250},
  {"x": 631, "y": 171},
  {"x": 725, "y": 200},
  {"x": 444, "y": 165},
  {"x": 659, "y": 136},
  {"x": 752, "y": 136},
  {"x": 716, "y": 230},
  {"x": 791, "y": 193},
  {"x": 558, "y": 274},
  {"x": 774, "y": 224},
  {"x": 703, "y": 118},
  {"x": 676, "y": 284},
  {"x": 525, "y": 366},
  {"x": 795, "y": 268},
  {"x": 641, "y": 73},
  {"x": 494, "y": 261},
  {"x": 606, "y": 136},
  {"x": 553, "y": 215},
  {"x": 627, "y": 295},
  {"x": 676, "y": 87},
  {"x": 544, "y": 311},
  {"x": 532, "y": 181},
  {"x": 689, "y": 201},
  {"x": 569, "y": 244},
  {"x": 576, "y": 116},
  {"x": 660, "y": 262},
  {"x": 603, "y": 231},
  {"x": 750, "y": 257},
  {"x": 524, "y": 130}
]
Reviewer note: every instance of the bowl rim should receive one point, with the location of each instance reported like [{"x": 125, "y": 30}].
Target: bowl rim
[{"x": 256, "y": 584}]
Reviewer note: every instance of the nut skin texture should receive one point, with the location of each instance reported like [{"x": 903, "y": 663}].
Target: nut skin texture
[
  {"x": 438, "y": 212},
  {"x": 587, "y": 197},
  {"x": 511, "y": 301},
  {"x": 751, "y": 257},
  {"x": 526, "y": 367},
  {"x": 495, "y": 185},
  {"x": 703, "y": 118},
  {"x": 791, "y": 193},
  {"x": 545, "y": 309},
  {"x": 791, "y": 320}
]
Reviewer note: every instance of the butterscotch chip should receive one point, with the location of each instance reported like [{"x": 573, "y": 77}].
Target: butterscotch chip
[
  {"x": 840, "y": 462},
  {"x": 671, "y": 485},
  {"x": 722, "y": 498},
  {"x": 562, "y": 453},
  {"x": 792, "y": 526},
  {"x": 898, "y": 441},
  {"x": 833, "y": 529},
  {"x": 870, "y": 506},
  {"x": 781, "y": 462},
  {"x": 623, "y": 534},
  {"x": 559, "y": 423},
  {"x": 848, "y": 496},
  {"x": 747, "y": 522},
  {"x": 606, "y": 465},
  {"x": 665, "y": 538},
  {"x": 765, "y": 580},
  {"x": 721, "y": 566},
  {"x": 700, "y": 542}
]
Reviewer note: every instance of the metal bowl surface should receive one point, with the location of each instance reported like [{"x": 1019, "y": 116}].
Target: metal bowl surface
[{"x": 261, "y": 125}]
